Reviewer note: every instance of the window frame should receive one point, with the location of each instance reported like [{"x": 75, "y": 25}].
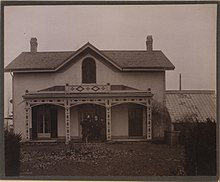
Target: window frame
[{"x": 88, "y": 71}]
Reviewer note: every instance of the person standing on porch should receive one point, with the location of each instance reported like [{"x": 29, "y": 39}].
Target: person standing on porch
[
  {"x": 85, "y": 128},
  {"x": 96, "y": 128}
]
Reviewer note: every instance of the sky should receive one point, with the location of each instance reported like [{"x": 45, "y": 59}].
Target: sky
[{"x": 185, "y": 33}]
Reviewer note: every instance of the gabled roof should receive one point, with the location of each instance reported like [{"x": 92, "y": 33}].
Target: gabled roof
[
  {"x": 122, "y": 60},
  {"x": 200, "y": 104},
  {"x": 140, "y": 59},
  {"x": 38, "y": 61}
]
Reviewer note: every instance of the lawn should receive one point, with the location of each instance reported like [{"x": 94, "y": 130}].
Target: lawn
[{"x": 101, "y": 159}]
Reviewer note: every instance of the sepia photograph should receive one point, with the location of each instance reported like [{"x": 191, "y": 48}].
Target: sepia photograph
[{"x": 110, "y": 90}]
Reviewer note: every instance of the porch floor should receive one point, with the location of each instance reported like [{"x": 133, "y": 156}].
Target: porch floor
[
  {"x": 130, "y": 139},
  {"x": 92, "y": 141}
]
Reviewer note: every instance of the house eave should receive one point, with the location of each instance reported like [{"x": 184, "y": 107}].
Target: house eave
[
  {"x": 143, "y": 69},
  {"x": 148, "y": 69},
  {"x": 30, "y": 71},
  {"x": 54, "y": 70}
]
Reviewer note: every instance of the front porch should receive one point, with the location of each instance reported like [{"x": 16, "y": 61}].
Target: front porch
[{"x": 125, "y": 113}]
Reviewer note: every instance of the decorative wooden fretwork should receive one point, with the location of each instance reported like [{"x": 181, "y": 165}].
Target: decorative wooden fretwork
[
  {"x": 144, "y": 123},
  {"x": 67, "y": 121},
  {"x": 94, "y": 100},
  {"x": 27, "y": 118},
  {"x": 149, "y": 123},
  {"x": 85, "y": 100},
  {"x": 55, "y": 101},
  {"x": 135, "y": 100},
  {"x": 108, "y": 120},
  {"x": 86, "y": 88}
]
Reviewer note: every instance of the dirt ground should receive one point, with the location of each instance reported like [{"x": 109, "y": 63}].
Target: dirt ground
[{"x": 101, "y": 159}]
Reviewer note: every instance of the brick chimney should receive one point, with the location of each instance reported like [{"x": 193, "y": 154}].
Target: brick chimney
[
  {"x": 34, "y": 44},
  {"x": 149, "y": 43}
]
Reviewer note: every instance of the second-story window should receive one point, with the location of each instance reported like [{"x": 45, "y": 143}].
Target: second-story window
[{"x": 88, "y": 71}]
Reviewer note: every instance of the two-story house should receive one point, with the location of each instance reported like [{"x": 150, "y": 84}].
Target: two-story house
[{"x": 53, "y": 92}]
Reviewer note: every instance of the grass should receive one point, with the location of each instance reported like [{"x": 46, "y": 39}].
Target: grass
[{"x": 101, "y": 159}]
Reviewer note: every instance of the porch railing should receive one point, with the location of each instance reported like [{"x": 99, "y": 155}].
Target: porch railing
[{"x": 86, "y": 88}]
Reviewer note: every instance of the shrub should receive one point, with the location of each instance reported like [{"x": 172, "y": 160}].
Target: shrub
[
  {"x": 12, "y": 153},
  {"x": 200, "y": 148},
  {"x": 161, "y": 120}
]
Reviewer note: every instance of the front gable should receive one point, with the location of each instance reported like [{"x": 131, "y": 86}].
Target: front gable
[{"x": 88, "y": 51}]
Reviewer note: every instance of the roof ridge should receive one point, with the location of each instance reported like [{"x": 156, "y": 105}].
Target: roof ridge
[
  {"x": 130, "y": 50},
  {"x": 50, "y": 52},
  {"x": 100, "y": 50}
]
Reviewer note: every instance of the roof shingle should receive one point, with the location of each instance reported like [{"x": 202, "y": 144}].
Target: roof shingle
[
  {"x": 139, "y": 59},
  {"x": 38, "y": 61}
]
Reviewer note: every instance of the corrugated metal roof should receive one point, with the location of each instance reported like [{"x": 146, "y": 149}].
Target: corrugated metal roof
[
  {"x": 51, "y": 61},
  {"x": 196, "y": 103}
]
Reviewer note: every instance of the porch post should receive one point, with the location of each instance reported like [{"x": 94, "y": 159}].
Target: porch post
[
  {"x": 145, "y": 122},
  {"x": 27, "y": 120},
  {"x": 108, "y": 120},
  {"x": 67, "y": 121},
  {"x": 149, "y": 121}
]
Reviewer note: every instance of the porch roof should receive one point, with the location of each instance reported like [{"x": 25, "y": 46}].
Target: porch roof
[
  {"x": 112, "y": 88},
  {"x": 66, "y": 91}
]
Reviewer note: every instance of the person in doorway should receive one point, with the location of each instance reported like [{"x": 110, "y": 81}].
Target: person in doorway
[
  {"x": 97, "y": 128},
  {"x": 86, "y": 128},
  {"x": 89, "y": 127},
  {"x": 102, "y": 129}
]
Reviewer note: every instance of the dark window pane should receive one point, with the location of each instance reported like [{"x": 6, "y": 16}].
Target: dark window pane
[{"x": 88, "y": 71}]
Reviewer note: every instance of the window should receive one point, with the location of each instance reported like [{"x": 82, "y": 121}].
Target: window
[
  {"x": 135, "y": 120},
  {"x": 88, "y": 71}
]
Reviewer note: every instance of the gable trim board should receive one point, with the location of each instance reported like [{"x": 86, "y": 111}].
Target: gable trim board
[{"x": 86, "y": 46}]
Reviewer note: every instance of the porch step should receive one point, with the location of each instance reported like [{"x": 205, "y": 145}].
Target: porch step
[
  {"x": 130, "y": 139},
  {"x": 43, "y": 141},
  {"x": 39, "y": 142}
]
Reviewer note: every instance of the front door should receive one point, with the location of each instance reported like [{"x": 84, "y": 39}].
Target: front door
[
  {"x": 53, "y": 114},
  {"x": 135, "y": 117},
  {"x": 44, "y": 122}
]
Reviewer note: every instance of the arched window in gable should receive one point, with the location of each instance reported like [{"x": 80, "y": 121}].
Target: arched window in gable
[{"x": 88, "y": 71}]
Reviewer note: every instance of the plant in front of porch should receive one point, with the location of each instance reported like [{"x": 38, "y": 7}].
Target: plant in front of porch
[
  {"x": 161, "y": 120},
  {"x": 12, "y": 153}
]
